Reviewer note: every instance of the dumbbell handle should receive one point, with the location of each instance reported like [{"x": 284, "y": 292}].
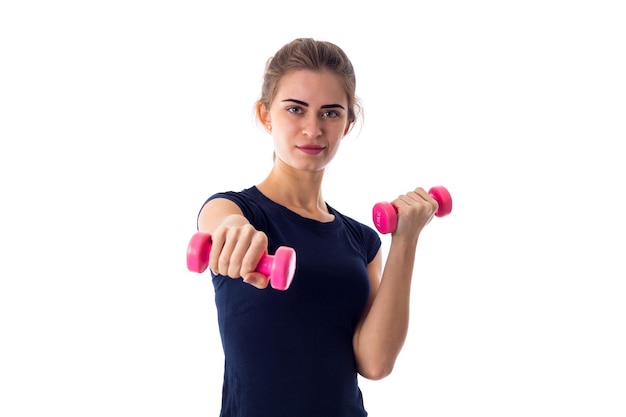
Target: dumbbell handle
[
  {"x": 279, "y": 268},
  {"x": 385, "y": 215}
]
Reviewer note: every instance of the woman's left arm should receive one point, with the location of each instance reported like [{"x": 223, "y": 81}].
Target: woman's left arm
[{"x": 381, "y": 333}]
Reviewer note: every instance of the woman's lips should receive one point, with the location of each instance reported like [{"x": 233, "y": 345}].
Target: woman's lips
[{"x": 311, "y": 149}]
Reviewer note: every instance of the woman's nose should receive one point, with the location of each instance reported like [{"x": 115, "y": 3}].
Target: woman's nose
[{"x": 312, "y": 127}]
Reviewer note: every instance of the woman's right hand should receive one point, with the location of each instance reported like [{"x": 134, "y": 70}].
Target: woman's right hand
[
  {"x": 236, "y": 251},
  {"x": 236, "y": 246}
]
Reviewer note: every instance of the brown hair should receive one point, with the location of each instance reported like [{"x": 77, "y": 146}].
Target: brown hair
[{"x": 310, "y": 54}]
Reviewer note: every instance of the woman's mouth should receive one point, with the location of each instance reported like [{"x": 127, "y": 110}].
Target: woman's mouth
[{"x": 311, "y": 149}]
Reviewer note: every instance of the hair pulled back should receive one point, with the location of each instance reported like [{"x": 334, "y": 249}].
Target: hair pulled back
[{"x": 310, "y": 54}]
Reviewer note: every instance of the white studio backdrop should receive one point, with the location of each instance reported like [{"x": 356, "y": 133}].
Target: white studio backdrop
[{"x": 118, "y": 119}]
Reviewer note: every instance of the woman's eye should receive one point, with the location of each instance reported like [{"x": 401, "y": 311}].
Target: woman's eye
[
  {"x": 331, "y": 114},
  {"x": 294, "y": 110}
]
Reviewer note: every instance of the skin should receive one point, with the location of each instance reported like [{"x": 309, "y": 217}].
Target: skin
[{"x": 307, "y": 120}]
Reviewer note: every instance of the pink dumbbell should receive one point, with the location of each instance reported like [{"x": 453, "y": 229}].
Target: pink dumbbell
[
  {"x": 385, "y": 214},
  {"x": 279, "y": 268}
]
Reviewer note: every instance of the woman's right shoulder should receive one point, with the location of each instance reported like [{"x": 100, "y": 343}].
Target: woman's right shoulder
[
  {"x": 222, "y": 204},
  {"x": 239, "y": 198}
]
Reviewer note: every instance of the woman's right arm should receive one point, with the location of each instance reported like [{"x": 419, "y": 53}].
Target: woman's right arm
[{"x": 236, "y": 246}]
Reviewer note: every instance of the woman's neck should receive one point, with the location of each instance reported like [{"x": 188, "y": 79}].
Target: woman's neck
[{"x": 301, "y": 194}]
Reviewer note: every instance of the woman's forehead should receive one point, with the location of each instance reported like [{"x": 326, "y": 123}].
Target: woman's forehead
[{"x": 312, "y": 87}]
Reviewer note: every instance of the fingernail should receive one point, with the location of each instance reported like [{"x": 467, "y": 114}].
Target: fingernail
[{"x": 251, "y": 280}]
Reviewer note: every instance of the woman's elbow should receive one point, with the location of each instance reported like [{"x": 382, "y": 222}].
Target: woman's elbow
[{"x": 376, "y": 371}]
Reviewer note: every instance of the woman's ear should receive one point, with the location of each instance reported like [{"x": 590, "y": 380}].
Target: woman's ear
[
  {"x": 348, "y": 127},
  {"x": 263, "y": 116}
]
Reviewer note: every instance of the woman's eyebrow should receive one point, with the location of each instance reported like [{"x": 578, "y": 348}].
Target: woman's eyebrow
[
  {"x": 332, "y": 106},
  {"x": 300, "y": 102},
  {"x": 305, "y": 104}
]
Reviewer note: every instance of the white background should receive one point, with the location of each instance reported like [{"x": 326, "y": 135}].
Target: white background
[{"x": 118, "y": 118}]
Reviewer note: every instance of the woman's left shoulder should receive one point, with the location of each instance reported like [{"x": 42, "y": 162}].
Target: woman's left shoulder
[{"x": 365, "y": 232}]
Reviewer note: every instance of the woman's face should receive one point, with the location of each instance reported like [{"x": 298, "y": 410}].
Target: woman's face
[{"x": 308, "y": 119}]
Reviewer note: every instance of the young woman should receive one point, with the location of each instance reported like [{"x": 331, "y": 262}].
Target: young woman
[{"x": 297, "y": 353}]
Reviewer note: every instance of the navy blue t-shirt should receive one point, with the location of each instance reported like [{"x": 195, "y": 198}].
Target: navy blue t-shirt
[{"x": 289, "y": 353}]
